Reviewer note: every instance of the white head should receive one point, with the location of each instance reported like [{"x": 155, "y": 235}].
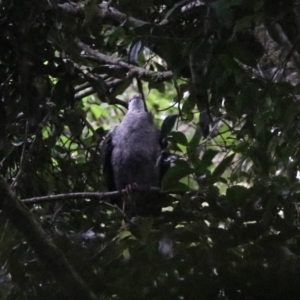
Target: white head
[{"x": 136, "y": 103}]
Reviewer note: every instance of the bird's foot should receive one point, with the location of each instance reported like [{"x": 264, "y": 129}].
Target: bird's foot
[{"x": 133, "y": 187}]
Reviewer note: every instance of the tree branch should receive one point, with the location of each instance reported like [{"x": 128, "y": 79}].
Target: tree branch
[
  {"x": 105, "y": 12},
  {"x": 52, "y": 258},
  {"x": 91, "y": 195},
  {"x": 90, "y": 91},
  {"x": 133, "y": 70},
  {"x": 280, "y": 37}
]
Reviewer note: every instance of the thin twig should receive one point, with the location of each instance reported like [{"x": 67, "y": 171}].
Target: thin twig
[
  {"x": 91, "y": 195},
  {"x": 22, "y": 160},
  {"x": 90, "y": 91}
]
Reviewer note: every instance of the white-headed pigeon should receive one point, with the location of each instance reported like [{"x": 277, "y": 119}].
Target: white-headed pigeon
[{"x": 131, "y": 155}]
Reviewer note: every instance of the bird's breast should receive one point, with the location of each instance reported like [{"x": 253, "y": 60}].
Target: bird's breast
[{"x": 136, "y": 150}]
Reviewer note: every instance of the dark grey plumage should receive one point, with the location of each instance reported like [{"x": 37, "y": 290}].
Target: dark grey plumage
[{"x": 131, "y": 156}]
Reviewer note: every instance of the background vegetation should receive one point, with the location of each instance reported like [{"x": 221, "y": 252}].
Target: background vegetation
[{"x": 229, "y": 69}]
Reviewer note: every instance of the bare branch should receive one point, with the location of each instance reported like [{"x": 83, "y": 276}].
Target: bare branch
[
  {"x": 82, "y": 86},
  {"x": 280, "y": 37},
  {"x": 91, "y": 195},
  {"x": 133, "y": 70},
  {"x": 84, "y": 93},
  {"x": 106, "y": 13}
]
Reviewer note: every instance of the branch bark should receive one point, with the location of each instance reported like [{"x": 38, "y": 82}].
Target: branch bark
[
  {"x": 105, "y": 12},
  {"x": 132, "y": 70},
  {"x": 90, "y": 195},
  {"x": 52, "y": 258}
]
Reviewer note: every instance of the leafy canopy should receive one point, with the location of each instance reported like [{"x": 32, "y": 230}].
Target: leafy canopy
[{"x": 229, "y": 70}]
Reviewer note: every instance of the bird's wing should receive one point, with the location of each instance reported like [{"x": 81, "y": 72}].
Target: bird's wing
[{"x": 106, "y": 154}]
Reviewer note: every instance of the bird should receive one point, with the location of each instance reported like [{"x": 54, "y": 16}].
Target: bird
[{"x": 131, "y": 158}]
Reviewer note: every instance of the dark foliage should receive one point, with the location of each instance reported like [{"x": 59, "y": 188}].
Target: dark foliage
[{"x": 65, "y": 70}]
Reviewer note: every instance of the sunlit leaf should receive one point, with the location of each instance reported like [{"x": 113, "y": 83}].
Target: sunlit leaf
[{"x": 221, "y": 168}]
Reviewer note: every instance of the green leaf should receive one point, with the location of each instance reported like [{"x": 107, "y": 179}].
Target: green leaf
[
  {"x": 90, "y": 11},
  {"x": 241, "y": 53},
  {"x": 243, "y": 23},
  {"x": 168, "y": 125},
  {"x": 237, "y": 195},
  {"x": 124, "y": 234},
  {"x": 144, "y": 228},
  {"x": 194, "y": 142},
  {"x": 73, "y": 119},
  {"x": 221, "y": 168},
  {"x": 63, "y": 93},
  {"x": 206, "y": 160},
  {"x": 182, "y": 187},
  {"x": 187, "y": 108},
  {"x": 289, "y": 209},
  {"x": 160, "y": 86},
  {"x": 112, "y": 36},
  {"x": 192, "y": 149},
  {"x": 179, "y": 137},
  {"x": 180, "y": 170},
  {"x": 121, "y": 87},
  {"x": 223, "y": 12}
]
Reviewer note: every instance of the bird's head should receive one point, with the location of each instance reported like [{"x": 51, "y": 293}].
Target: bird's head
[{"x": 136, "y": 103}]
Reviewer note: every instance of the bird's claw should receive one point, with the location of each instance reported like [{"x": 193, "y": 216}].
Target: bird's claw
[{"x": 133, "y": 187}]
